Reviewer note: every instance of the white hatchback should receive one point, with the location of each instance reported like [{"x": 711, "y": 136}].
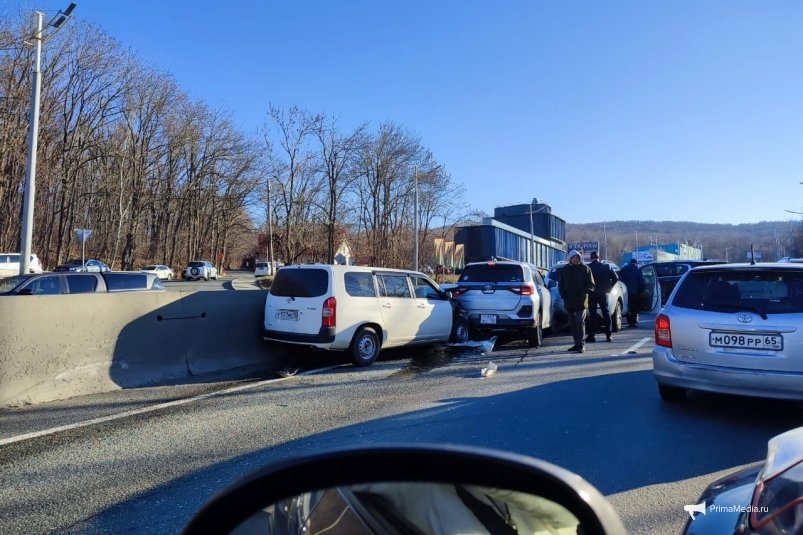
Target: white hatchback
[{"x": 356, "y": 309}]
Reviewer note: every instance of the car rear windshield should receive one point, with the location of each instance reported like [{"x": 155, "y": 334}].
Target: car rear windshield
[
  {"x": 262, "y": 264},
  {"x": 492, "y": 273},
  {"x": 196, "y": 264},
  {"x": 291, "y": 282},
  {"x": 763, "y": 291}
]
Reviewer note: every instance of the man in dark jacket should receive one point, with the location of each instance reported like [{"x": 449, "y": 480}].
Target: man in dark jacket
[
  {"x": 633, "y": 278},
  {"x": 575, "y": 284},
  {"x": 604, "y": 279}
]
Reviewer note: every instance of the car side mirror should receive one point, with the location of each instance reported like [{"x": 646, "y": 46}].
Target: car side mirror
[
  {"x": 407, "y": 489},
  {"x": 551, "y": 284},
  {"x": 25, "y": 291}
]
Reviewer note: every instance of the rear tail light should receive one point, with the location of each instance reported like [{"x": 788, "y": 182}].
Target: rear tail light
[
  {"x": 526, "y": 289},
  {"x": 329, "y": 313},
  {"x": 459, "y": 290},
  {"x": 663, "y": 333}
]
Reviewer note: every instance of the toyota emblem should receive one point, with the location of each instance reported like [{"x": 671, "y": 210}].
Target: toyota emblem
[{"x": 744, "y": 317}]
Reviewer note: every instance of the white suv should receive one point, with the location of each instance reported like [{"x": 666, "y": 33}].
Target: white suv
[
  {"x": 200, "y": 269},
  {"x": 10, "y": 264},
  {"x": 357, "y": 309},
  {"x": 505, "y": 297}
]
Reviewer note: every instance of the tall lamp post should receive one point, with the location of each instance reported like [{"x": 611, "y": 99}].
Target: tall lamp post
[
  {"x": 26, "y": 234},
  {"x": 532, "y": 230}
]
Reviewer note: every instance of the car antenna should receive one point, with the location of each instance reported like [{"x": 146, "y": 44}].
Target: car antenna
[{"x": 752, "y": 256}]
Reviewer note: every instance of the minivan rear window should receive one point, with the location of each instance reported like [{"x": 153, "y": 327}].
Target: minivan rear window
[
  {"x": 492, "y": 273},
  {"x": 291, "y": 282}
]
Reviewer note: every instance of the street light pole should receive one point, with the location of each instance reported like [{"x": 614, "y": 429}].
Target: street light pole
[
  {"x": 33, "y": 136},
  {"x": 532, "y": 231},
  {"x": 26, "y": 233},
  {"x": 415, "y": 221}
]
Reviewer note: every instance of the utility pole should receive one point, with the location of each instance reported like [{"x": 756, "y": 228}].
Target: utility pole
[
  {"x": 26, "y": 233},
  {"x": 270, "y": 234},
  {"x": 415, "y": 220}
]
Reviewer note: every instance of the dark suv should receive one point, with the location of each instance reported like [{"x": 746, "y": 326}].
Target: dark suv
[
  {"x": 669, "y": 273},
  {"x": 505, "y": 297}
]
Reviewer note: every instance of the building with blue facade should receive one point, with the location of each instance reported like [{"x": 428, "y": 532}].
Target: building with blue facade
[{"x": 522, "y": 232}]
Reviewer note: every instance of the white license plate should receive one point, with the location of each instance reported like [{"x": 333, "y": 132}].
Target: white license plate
[
  {"x": 285, "y": 314},
  {"x": 772, "y": 342},
  {"x": 488, "y": 319}
]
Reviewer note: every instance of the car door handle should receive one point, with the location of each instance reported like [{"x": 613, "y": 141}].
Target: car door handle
[
  {"x": 422, "y": 305},
  {"x": 387, "y": 305}
]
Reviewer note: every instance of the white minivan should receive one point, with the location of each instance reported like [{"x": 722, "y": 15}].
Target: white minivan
[{"x": 358, "y": 309}]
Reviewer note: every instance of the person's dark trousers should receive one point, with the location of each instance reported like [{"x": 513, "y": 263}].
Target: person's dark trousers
[
  {"x": 577, "y": 325},
  {"x": 600, "y": 299},
  {"x": 632, "y": 308}
]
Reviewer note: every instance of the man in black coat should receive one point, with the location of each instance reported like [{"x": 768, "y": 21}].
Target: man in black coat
[
  {"x": 604, "y": 279},
  {"x": 633, "y": 278},
  {"x": 576, "y": 283}
]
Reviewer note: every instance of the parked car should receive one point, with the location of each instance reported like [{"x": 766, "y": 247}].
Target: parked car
[
  {"x": 505, "y": 297},
  {"x": 669, "y": 273},
  {"x": 618, "y": 304},
  {"x": 262, "y": 269},
  {"x": 733, "y": 329},
  {"x": 10, "y": 264},
  {"x": 92, "y": 265},
  {"x": 200, "y": 269},
  {"x": 72, "y": 282},
  {"x": 358, "y": 309},
  {"x": 161, "y": 271},
  {"x": 764, "y": 498}
]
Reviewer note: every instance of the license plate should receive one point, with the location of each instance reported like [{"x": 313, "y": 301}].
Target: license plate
[
  {"x": 488, "y": 319},
  {"x": 773, "y": 342},
  {"x": 285, "y": 314}
]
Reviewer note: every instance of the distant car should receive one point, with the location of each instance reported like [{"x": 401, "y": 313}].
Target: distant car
[
  {"x": 200, "y": 269},
  {"x": 670, "y": 271},
  {"x": 10, "y": 264},
  {"x": 505, "y": 297},
  {"x": 732, "y": 329},
  {"x": 161, "y": 271},
  {"x": 763, "y": 498},
  {"x": 79, "y": 282},
  {"x": 92, "y": 265},
  {"x": 443, "y": 270},
  {"x": 262, "y": 269}
]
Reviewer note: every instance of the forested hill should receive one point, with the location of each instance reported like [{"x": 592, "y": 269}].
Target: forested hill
[{"x": 772, "y": 239}]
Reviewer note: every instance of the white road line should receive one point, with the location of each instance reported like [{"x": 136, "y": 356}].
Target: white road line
[
  {"x": 143, "y": 410},
  {"x": 635, "y": 347}
]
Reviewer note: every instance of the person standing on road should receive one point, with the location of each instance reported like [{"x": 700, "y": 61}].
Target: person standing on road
[
  {"x": 575, "y": 284},
  {"x": 633, "y": 278},
  {"x": 604, "y": 279}
]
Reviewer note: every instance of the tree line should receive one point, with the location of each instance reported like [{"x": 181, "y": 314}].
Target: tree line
[{"x": 162, "y": 178}]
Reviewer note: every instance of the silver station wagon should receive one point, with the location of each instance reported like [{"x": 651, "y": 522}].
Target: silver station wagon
[{"x": 732, "y": 329}]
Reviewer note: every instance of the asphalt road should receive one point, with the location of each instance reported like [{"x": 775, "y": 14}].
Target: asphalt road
[{"x": 597, "y": 414}]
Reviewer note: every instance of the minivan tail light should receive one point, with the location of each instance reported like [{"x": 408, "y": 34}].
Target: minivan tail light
[
  {"x": 329, "y": 313},
  {"x": 526, "y": 289},
  {"x": 663, "y": 333}
]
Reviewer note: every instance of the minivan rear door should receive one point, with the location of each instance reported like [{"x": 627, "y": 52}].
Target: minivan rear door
[{"x": 296, "y": 298}]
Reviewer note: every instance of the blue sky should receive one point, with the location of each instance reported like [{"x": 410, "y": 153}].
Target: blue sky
[{"x": 618, "y": 110}]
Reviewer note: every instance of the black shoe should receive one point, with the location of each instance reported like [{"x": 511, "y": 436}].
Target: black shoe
[
  {"x": 581, "y": 349},
  {"x": 574, "y": 348},
  {"x": 590, "y": 339},
  {"x": 635, "y": 324},
  {"x": 608, "y": 338}
]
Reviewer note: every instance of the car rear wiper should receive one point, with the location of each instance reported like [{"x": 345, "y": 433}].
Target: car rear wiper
[{"x": 730, "y": 306}]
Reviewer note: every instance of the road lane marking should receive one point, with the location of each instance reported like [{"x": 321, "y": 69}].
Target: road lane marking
[
  {"x": 635, "y": 347},
  {"x": 160, "y": 406}
]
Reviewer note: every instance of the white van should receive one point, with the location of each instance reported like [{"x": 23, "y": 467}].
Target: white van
[
  {"x": 10, "y": 264},
  {"x": 358, "y": 309}
]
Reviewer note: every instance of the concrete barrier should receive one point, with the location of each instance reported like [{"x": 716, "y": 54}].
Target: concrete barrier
[{"x": 55, "y": 347}]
